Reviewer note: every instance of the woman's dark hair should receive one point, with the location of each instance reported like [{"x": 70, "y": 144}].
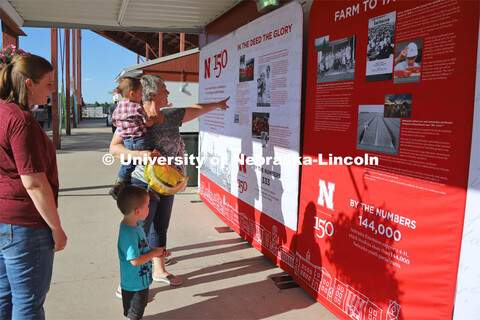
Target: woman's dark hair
[{"x": 12, "y": 78}]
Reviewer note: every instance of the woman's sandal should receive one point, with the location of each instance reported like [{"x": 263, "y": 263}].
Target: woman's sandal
[{"x": 170, "y": 279}]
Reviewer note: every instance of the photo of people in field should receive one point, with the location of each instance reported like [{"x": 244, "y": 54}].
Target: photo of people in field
[
  {"x": 398, "y": 105},
  {"x": 337, "y": 62}
]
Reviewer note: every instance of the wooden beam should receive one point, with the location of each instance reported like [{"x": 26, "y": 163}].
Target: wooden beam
[
  {"x": 55, "y": 114},
  {"x": 182, "y": 42},
  {"x": 11, "y": 24},
  {"x": 168, "y": 50},
  {"x": 145, "y": 37},
  {"x": 166, "y": 44},
  {"x": 160, "y": 44},
  {"x": 191, "y": 40},
  {"x": 8, "y": 36},
  {"x": 10, "y": 30},
  {"x": 153, "y": 52},
  {"x": 172, "y": 41},
  {"x": 114, "y": 37}
]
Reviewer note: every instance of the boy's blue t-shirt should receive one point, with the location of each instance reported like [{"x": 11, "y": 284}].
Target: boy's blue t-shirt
[{"x": 132, "y": 243}]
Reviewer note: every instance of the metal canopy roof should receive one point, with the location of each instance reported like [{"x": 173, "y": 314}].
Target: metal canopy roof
[{"x": 185, "y": 16}]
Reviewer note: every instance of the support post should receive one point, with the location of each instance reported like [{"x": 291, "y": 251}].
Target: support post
[
  {"x": 74, "y": 66},
  {"x": 55, "y": 114},
  {"x": 67, "y": 80},
  {"x": 79, "y": 75},
  {"x": 160, "y": 44},
  {"x": 182, "y": 42}
]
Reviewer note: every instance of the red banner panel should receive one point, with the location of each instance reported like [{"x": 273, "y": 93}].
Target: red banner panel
[
  {"x": 267, "y": 235},
  {"x": 393, "y": 80}
]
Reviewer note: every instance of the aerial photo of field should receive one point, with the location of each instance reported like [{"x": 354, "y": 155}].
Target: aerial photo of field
[{"x": 376, "y": 133}]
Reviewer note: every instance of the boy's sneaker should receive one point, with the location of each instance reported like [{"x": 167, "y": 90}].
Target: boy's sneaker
[
  {"x": 119, "y": 183},
  {"x": 114, "y": 192}
]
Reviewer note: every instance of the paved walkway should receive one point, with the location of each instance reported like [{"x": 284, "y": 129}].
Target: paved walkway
[{"x": 224, "y": 277}]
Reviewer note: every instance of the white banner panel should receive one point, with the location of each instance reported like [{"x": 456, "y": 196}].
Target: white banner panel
[
  {"x": 468, "y": 281},
  {"x": 259, "y": 66}
]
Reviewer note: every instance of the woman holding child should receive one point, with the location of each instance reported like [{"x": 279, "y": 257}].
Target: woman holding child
[
  {"x": 30, "y": 229},
  {"x": 165, "y": 137}
]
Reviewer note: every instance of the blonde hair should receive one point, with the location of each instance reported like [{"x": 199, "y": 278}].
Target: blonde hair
[
  {"x": 12, "y": 78},
  {"x": 128, "y": 84}
]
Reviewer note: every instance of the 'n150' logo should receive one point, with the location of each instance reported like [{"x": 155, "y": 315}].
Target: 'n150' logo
[
  {"x": 221, "y": 60},
  {"x": 242, "y": 185}
]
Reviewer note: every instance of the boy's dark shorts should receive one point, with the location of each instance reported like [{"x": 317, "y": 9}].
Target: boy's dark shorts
[{"x": 134, "y": 303}]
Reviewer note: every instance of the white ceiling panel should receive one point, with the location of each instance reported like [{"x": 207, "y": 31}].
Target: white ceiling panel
[{"x": 188, "y": 16}]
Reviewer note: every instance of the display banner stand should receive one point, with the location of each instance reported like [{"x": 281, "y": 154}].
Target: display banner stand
[
  {"x": 250, "y": 177},
  {"x": 393, "y": 80}
]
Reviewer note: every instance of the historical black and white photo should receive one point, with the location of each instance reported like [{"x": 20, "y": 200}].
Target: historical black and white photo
[
  {"x": 381, "y": 39},
  {"x": 337, "y": 63},
  {"x": 264, "y": 81}
]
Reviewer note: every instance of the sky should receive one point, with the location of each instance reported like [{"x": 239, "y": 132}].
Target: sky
[{"x": 102, "y": 60}]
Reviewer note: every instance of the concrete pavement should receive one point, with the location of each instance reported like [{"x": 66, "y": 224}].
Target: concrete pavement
[{"x": 224, "y": 277}]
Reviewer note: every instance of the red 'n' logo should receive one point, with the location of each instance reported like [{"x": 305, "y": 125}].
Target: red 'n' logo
[
  {"x": 241, "y": 164},
  {"x": 207, "y": 69}
]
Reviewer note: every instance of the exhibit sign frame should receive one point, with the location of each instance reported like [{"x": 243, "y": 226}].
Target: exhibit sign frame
[
  {"x": 250, "y": 174},
  {"x": 394, "y": 80}
]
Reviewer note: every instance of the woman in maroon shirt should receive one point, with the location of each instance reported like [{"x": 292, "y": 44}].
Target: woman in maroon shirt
[{"x": 30, "y": 229}]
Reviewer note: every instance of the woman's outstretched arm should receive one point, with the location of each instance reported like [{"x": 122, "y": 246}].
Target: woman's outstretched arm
[{"x": 196, "y": 110}]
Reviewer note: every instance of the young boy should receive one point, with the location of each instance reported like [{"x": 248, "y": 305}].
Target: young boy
[
  {"x": 134, "y": 253},
  {"x": 131, "y": 121}
]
